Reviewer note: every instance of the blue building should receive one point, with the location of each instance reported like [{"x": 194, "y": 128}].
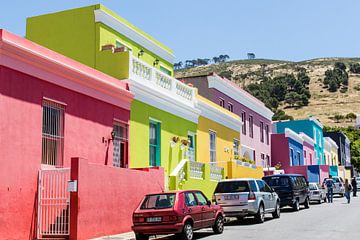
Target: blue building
[{"x": 312, "y": 128}]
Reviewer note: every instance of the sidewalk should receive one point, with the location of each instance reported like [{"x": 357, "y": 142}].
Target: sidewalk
[{"x": 123, "y": 236}]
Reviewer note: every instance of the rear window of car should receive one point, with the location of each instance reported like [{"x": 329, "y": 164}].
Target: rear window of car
[
  {"x": 312, "y": 187},
  {"x": 278, "y": 181},
  {"x": 158, "y": 201},
  {"x": 232, "y": 187}
]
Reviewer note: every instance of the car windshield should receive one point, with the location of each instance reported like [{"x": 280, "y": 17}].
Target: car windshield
[
  {"x": 232, "y": 187},
  {"x": 312, "y": 186},
  {"x": 278, "y": 181},
  {"x": 158, "y": 201}
]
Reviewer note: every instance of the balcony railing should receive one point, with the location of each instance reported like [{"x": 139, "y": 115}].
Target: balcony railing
[
  {"x": 143, "y": 71},
  {"x": 196, "y": 170},
  {"x": 245, "y": 164},
  {"x": 216, "y": 173}
]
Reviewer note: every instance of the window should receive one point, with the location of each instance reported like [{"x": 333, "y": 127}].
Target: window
[
  {"x": 314, "y": 133},
  {"x": 222, "y": 102},
  {"x": 52, "y": 134},
  {"x": 253, "y": 187},
  {"x": 304, "y": 153},
  {"x": 165, "y": 70},
  {"x": 190, "y": 199},
  {"x": 263, "y": 159},
  {"x": 236, "y": 148},
  {"x": 251, "y": 127},
  {"x": 158, "y": 201},
  {"x": 298, "y": 158},
  {"x": 201, "y": 198},
  {"x": 192, "y": 147},
  {"x": 212, "y": 146},
  {"x": 261, "y": 185},
  {"x": 310, "y": 156},
  {"x": 119, "y": 44},
  {"x": 243, "y": 120},
  {"x": 267, "y": 161},
  {"x": 232, "y": 187},
  {"x": 230, "y": 107},
  {"x": 292, "y": 157},
  {"x": 120, "y": 145},
  {"x": 154, "y": 142},
  {"x": 261, "y": 132},
  {"x": 267, "y": 134}
]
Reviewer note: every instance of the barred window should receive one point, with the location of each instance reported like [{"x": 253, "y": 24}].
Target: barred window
[
  {"x": 53, "y": 134},
  {"x": 120, "y": 145}
]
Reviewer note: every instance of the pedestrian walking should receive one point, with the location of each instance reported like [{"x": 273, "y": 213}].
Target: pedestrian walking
[
  {"x": 330, "y": 189},
  {"x": 354, "y": 186},
  {"x": 348, "y": 189}
]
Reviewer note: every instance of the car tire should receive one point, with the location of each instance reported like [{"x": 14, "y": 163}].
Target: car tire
[
  {"x": 139, "y": 236},
  {"x": 276, "y": 213},
  {"x": 187, "y": 232},
  {"x": 296, "y": 205},
  {"x": 260, "y": 215},
  {"x": 320, "y": 201},
  {"x": 218, "y": 226},
  {"x": 307, "y": 203}
]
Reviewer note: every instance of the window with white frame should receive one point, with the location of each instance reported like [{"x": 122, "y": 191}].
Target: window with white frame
[
  {"x": 53, "y": 134},
  {"x": 267, "y": 134},
  {"x": 230, "y": 107},
  {"x": 292, "y": 156},
  {"x": 236, "y": 147},
  {"x": 268, "y": 161},
  {"x": 263, "y": 159},
  {"x": 120, "y": 145},
  {"x": 243, "y": 120},
  {"x": 251, "y": 126},
  {"x": 212, "y": 136},
  {"x": 222, "y": 102},
  {"x": 261, "y": 132},
  {"x": 298, "y": 157}
]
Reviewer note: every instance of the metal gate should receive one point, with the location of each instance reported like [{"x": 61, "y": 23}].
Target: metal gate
[{"x": 53, "y": 204}]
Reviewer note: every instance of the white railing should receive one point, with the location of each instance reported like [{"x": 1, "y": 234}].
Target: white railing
[
  {"x": 179, "y": 172},
  {"x": 144, "y": 71},
  {"x": 216, "y": 173},
  {"x": 196, "y": 170},
  {"x": 245, "y": 164}
]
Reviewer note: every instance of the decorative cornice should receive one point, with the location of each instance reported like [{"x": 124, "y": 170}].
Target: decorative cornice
[
  {"x": 317, "y": 122},
  {"x": 307, "y": 139},
  {"x": 293, "y": 135},
  {"x": 153, "y": 96},
  {"x": 110, "y": 21},
  {"x": 230, "y": 89},
  {"x": 211, "y": 112},
  {"x": 25, "y": 56},
  {"x": 332, "y": 143}
]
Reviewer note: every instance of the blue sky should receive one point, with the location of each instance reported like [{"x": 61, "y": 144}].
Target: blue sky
[{"x": 275, "y": 29}]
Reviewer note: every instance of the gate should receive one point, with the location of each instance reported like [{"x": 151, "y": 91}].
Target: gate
[{"x": 53, "y": 204}]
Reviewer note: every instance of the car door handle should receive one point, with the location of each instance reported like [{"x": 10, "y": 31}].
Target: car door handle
[
  {"x": 190, "y": 210},
  {"x": 203, "y": 208}
]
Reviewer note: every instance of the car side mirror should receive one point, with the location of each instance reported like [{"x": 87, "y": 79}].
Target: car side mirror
[
  {"x": 208, "y": 202},
  {"x": 272, "y": 190}
]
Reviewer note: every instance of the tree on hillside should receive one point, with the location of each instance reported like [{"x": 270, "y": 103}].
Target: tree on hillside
[
  {"x": 351, "y": 116},
  {"x": 280, "y": 115},
  {"x": 354, "y": 68},
  {"x": 338, "y": 117}
]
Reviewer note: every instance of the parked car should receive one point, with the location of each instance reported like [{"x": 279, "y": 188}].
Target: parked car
[
  {"x": 339, "y": 185},
  {"x": 292, "y": 189},
  {"x": 317, "y": 193},
  {"x": 247, "y": 197},
  {"x": 180, "y": 213},
  {"x": 358, "y": 182}
]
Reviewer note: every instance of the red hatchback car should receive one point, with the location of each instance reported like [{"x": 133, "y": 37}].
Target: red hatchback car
[{"x": 179, "y": 213}]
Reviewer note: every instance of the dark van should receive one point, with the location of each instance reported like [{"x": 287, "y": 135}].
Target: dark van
[{"x": 292, "y": 189}]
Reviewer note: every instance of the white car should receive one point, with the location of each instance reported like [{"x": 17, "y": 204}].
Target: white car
[
  {"x": 358, "y": 182},
  {"x": 317, "y": 193},
  {"x": 338, "y": 185}
]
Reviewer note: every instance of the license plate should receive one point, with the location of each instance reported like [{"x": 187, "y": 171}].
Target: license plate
[
  {"x": 231, "y": 197},
  {"x": 153, "y": 219}
]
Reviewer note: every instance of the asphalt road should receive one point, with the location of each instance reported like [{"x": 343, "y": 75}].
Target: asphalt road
[{"x": 327, "y": 221}]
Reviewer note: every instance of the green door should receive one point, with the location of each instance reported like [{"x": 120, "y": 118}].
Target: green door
[{"x": 154, "y": 143}]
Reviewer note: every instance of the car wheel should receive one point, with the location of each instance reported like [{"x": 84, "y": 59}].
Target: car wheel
[
  {"x": 218, "y": 227},
  {"x": 307, "y": 203},
  {"x": 296, "y": 205},
  {"x": 139, "y": 236},
  {"x": 187, "y": 233},
  {"x": 276, "y": 213},
  {"x": 260, "y": 215},
  {"x": 320, "y": 201}
]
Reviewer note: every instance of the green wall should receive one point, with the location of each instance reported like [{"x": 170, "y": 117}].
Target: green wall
[{"x": 171, "y": 126}]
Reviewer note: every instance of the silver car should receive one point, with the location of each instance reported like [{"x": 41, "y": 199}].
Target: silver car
[
  {"x": 247, "y": 197},
  {"x": 317, "y": 193},
  {"x": 357, "y": 182},
  {"x": 339, "y": 185}
]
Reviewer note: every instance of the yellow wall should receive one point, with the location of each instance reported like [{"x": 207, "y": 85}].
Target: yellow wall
[
  {"x": 237, "y": 171},
  {"x": 334, "y": 157},
  {"x": 224, "y": 142}
]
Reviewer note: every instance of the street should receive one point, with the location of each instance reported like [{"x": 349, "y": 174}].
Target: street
[{"x": 326, "y": 221}]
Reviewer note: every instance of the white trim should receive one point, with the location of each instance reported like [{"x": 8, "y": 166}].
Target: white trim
[
  {"x": 317, "y": 122},
  {"x": 212, "y": 113},
  {"x": 331, "y": 142},
  {"x": 107, "y": 19},
  {"x": 155, "y": 120},
  {"x": 237, "y": 94},
  {"x": 151, "y": 95},
  {"x": 54, "y": 101},
  {"x": 306, "y": 138},
  {"x": 293, "y": 135}
]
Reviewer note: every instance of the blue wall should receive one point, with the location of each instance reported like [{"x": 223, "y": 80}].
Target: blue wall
[
  {"x": 314, "y": 173},
  {"x": 297, "y": 148},
  {"x": 333, "y": 171},
  {"x": 306, "y": 126}
]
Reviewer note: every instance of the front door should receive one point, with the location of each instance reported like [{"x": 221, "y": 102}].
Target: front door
[{"x": 192, "y": 146}]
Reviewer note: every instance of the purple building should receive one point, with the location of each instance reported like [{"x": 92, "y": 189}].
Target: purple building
[{"x": 255, "y": 116}]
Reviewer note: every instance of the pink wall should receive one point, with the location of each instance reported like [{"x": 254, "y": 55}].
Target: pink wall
[
  {"x": 87, "y": 120},
  {"x": 107, "y": 196},
  {"x": 280, "y": 150},
  {"x": 297, "y": 170},
  {"x": 324, "y": 172},
  {"x": 309, "y": 150}
]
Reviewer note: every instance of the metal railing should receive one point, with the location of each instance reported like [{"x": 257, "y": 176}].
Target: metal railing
[
  {"x": 152, "y": 75},
  {"x": 245, "y": 164},
  {"x": 216, "y": 172},
  {"x": 196, "y": 170}
]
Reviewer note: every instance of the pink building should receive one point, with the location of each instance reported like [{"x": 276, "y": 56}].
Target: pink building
[
  {"x": 309, "y": 151},
  {"x": 256, "y": 117},
  {"x": 61, "y": 121}
]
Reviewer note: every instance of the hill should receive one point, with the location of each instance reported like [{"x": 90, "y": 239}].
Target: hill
[{"x": 325, "y": 105}]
